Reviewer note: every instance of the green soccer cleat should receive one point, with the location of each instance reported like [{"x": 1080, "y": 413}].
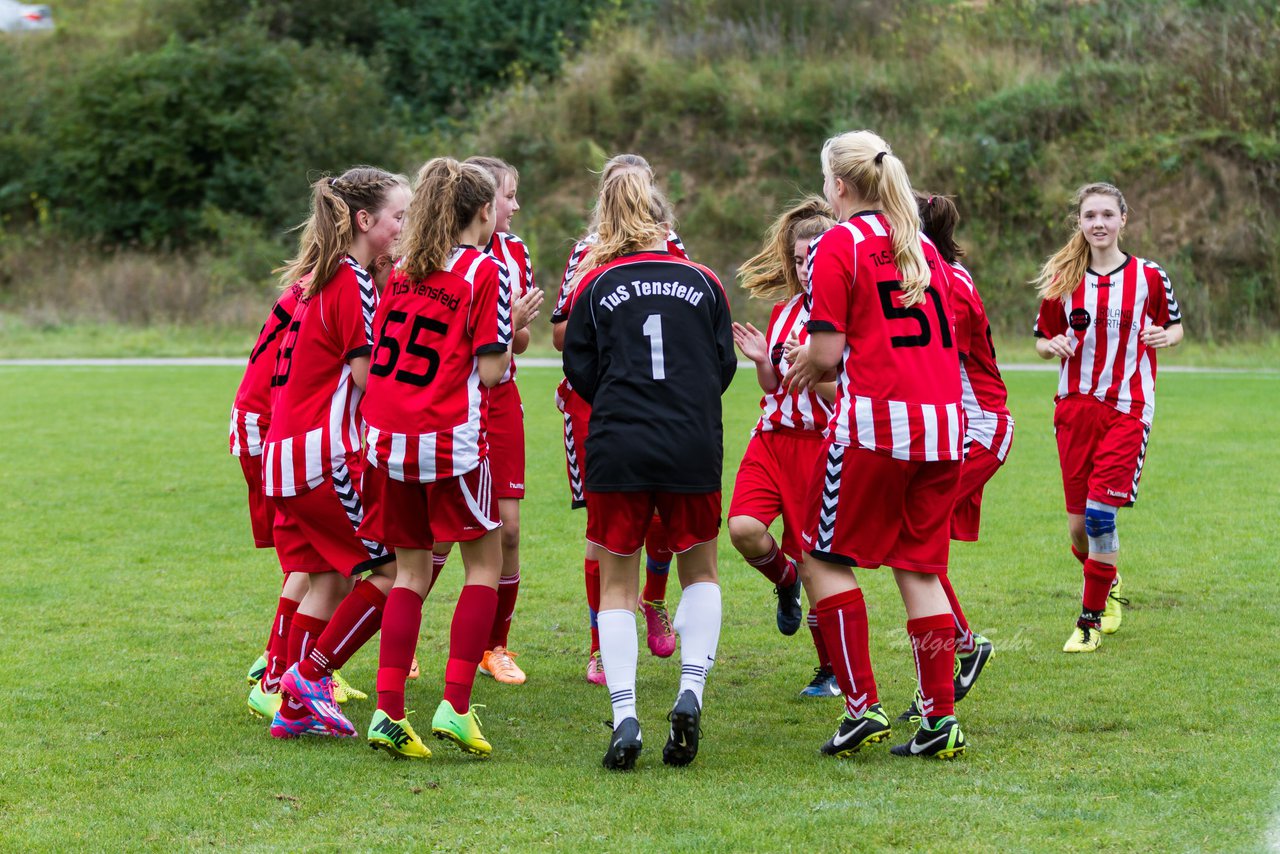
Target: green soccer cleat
[
  {"x": 855, "y": 733},
  {"x": 257, "y": 671},
  {"x": 344, "y": 690},
  {"x": 1084, "y": 638},
  {"x": 261, "y": 703},
  {"x": 1113, "y": 613},
  {"x": 396, "y": 737},
  {"x": 462, "y": 730},
  {"x": 942, "y": 740}
]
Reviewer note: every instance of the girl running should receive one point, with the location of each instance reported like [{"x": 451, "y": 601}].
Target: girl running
[
  {"x": 577, "y": 413},
  {"x": 889, "y": 469},
  {"x": 444, "y": 341},
  {"x": 788, "y": 436},
  {"x": 655, "y": 442},
  {"x": 1103, "y": 313},
  {"x": 310, "y": 462}
]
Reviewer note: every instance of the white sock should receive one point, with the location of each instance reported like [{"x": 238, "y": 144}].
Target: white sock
[
  {"x": 618, "y": 651},
  {"x": 698, "y": 624}
]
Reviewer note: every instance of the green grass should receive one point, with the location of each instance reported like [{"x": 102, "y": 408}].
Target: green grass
[{"x": 131, "y": 603}]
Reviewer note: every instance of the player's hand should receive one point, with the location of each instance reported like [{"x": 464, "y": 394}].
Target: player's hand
[
  {"x": 1155, "y": 337},
  {"x": 526, "y": 309},
  {"x": 1061, "y": 346},
  {"x": 794, "y": 351},
  {"x": 751, "y": 342},
  {"x": 382, "y": 267}
]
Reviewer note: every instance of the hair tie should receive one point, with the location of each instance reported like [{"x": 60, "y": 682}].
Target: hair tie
[
  {"x": 880, "y": 157},
  {"x": 930, "y": 202}
]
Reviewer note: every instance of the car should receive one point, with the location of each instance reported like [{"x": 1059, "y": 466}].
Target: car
[{"x": 24, "y": 17}]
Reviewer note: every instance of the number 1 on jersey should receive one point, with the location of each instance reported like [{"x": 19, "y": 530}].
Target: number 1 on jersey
[{"x": 653, "y": 331}]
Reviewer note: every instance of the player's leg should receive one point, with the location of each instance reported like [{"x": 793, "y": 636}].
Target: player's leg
[
  {"x": 757, "y": 501},
  {"x": 1118, "y": 465},
  {"x": 653, "y": 599},
  {"x": 823, "y": 683},
  {"x": 389, "y": 728},
  {"x": 498, "y": 660},
  {"x": 264, "y": 697},
  {"x": 1075, "y": 425},
  {"x": 591, "y": 576}
]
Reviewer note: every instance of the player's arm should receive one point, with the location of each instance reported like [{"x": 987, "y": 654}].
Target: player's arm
[
  {"x": 725, "y": 339},
  {"x": 1165, "y": 313},
  {"x": 525, "y": 311},
  {"x": 359, "y": 371},
  {"x": 1052, "y": 341},
  {"x": 492, "y": 367},
  {"x": 581, "y": 359}
]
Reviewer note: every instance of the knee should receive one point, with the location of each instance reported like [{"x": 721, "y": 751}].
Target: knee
[
  {"x": 510, "y": 536},
  {"x": 746, "y": 534},
  {"x": 1100, "y": 528}
]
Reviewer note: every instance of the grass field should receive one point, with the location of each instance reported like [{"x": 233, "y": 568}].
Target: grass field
[{"x": 131, "y": 603}]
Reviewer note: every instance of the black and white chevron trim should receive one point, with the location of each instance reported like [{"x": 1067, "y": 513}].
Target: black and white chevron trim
[
  {"x": 830, "y": 498},
  {"x": 368, "y": 297},
  {"x": 1175, "y": 310},
  {"x": 504, "y": 305},
  {"x": 1137, "y": 469},
  {"x": 571, "y": 457},
  {"x": 346, "y": 491}
]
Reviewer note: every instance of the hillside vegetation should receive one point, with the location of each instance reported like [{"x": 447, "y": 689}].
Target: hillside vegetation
[{"x": 194, "y": 150}]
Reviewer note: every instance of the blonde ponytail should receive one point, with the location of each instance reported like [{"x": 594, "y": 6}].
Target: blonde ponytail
[
  {"x": 629, "y": 213},
  {"x": 770, "y": 273},
  {"x": 1065, "y": 269},
  {"x": 446, "y": 198}
]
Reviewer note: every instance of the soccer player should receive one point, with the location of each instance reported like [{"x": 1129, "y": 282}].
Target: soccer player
[
  {"x": 649, "y": 346},
  {"x": 988, "y": 426},
  {"x": 577, "y": 414},
  {"x": 1103, "y": 314},
  {"x": 310, "y": 459},
  {"x": 890, "y": 466},
  {"x": 444, "y": 341},
  {"x": 788, "y": 436}
]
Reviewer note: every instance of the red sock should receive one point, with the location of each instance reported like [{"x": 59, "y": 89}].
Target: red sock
[
  {"x": 1097, "y": 585},
  {"x": 303, "y": 631},
  {"x": 591, "y": 569},
  {"x": 1079, "y": 555},
  {"x": 508, "y": 588},
  {"x": 437, "y": 564},
  {"x": 964, "y": 637},
  {"x": 824, "y": 660},
  {"x": 933, "y": 643},
  {"x": 401, "y": 620},
  {"x": 774, "y": 565},
  {"x": 357, "y": 619},
  {"x": 278, "y": 650},
  {"x": 476, "y": 606},
  {"x": 657, "y": 563},
  {"x": 843, "y": 621}
]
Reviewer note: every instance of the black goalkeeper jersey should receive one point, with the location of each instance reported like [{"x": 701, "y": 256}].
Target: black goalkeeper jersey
[{"x": 649, "y": 345}]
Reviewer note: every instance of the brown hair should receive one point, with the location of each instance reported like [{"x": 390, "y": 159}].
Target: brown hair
[
  {"x": 1065, "y": 269},
  {"x": 328, "y": 232},
  {"x": 446, "y": 198},
  {"x": 864, "y": 161},
  {"x": 939, "y": 218},
  {"x": 630, "y": 215},
  {"x": 495, "y": 166},
  {"x": 771, "y": 273}
]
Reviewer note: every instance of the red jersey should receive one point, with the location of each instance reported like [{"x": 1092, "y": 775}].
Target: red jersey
[
  {"x": 1105, "y": 315},
  {"x": 985, "y": 398},
  {"x": 781, "y": 408},
  {"x": 512, "y": 253},
  {"x": 426, "y": 407},
  {"x": 251, "y": 411},
  {"x": 899, "y": 377},
  {"x": 315, "y": 420}
]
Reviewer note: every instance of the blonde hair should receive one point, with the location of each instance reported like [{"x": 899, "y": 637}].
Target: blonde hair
[
  {"x": 1065, "y": 269},
  {"x": 495, "y": 166},
  {"x": 771, "y": 272},
  {"x": 614, "y": 165},
  {"x": 865, "y": 162},
  {"x": 630, "y": 216},
  {"x": 328, "y": 232},
  {"x": 447, "y": 197}
]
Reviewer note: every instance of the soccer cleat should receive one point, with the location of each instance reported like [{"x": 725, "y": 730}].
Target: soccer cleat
[
  {"x": 413, "y": 669},
  {"x": 257, "y": 670},
  {"x": 943, "y": 740},
  {"x": 657, "y": 620},
  {"x": 1113, "y": 614},
  {"x": 284, "y": 728},
  {"x": 344, "y": 690},
  {"x": 854, "y": 733},
  {"x": 913, "y": 711},
  {"x": 317, "y": 696},
  {"x": 968, "y": 666},
  {"x": 462, "y": 730},
  {"x": 624, "y": 746},
  {"x": 789, "y": 613},
  {"x": 261, "y": 703},
  {"x": 1084, "y": 638},
  {"x": 499, "y": 663},
  {"x": 595, "y": 668},
  {"x": 823, "y": 684},
  {"x": 396, "y": 737},
  {"x": 682, "y": 744}
]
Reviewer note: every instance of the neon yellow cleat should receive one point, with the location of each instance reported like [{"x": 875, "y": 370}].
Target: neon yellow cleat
[
  {"x": 1113, "y": 614},
  {"x": 396, "y": 737},
  {"x": 462, "y": 730},
  {"x": 344, "y": 690},
  {"x": 257, "y": 670},
  {"x": 262, "y": 704},
  {"x": 1083, "y": 639}
]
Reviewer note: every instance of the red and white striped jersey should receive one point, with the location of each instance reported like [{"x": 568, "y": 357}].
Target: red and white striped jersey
[
  {"x": 985, "y": 398},
  {"x": 512, "y": 253},
  {"x": 1105, "y": 315},
  {"x": 781, "y": 408},
  {"x": 425, "y": 406},
  {"x": 315, "y": 419},
  {"x": 251, "y": 411},
  {"x": 899, "y": 378}
]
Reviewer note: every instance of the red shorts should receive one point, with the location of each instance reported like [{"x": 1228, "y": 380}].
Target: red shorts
[
  {"x": 577, "y": 415},
  {"x": 979, "y": 466},
  {"x": 773, "y": 480},
  {"x": 867, "y": 509},
  {"x": 505, "y": 430},
  {"x": 618, "y": 521},
  {"x": 262, "y": 514},
  {"x": 418, "y": 515},
  {"x": 316, "y": 531},
  {"x": 1101, "y": 452}
]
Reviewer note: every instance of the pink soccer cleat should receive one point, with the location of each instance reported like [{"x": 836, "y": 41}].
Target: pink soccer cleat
[
  {"x": 662, "y": 640},
  {"x": 317, "y": 696},
  {"x": 595, "y": 668}
]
